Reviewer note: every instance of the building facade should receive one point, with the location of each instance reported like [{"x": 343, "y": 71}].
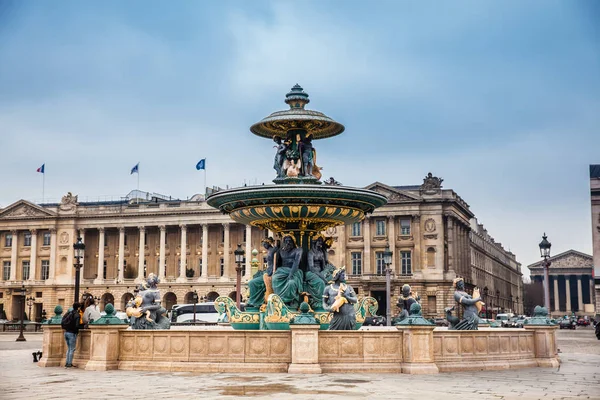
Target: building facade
[
  {"x": 189, "y": 245},
  {"x": 571, "y": 283},
  {"x": 595, "y": 203}
]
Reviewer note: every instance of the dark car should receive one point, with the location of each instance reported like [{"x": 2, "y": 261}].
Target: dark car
[
  {"x": 440, "y": 321},
  {"x": 374, "y": 321},
  {"x": 583, "y": 322},
  {"x": 567, "y": 324}
]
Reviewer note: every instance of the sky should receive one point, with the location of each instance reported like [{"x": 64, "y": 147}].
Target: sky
[{"x": 500, "y": 99}]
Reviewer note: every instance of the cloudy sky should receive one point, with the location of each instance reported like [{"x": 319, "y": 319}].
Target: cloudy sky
[{"x": 501, "y": 99}]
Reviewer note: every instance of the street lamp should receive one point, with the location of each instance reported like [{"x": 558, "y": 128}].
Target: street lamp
[
  {"x": 22, "y": 293},
  {"x": 195, "y": 300},
  {"x": 239, "y": 258},
  {"x": 545, "y": 253},
  {"x": 30, "y": 301},
  {"x": 497, "y": 301},
  {"x": 487, "y": 305},
  {"x": 387, "y": 259},
  {"x": 78, "y": 250},
  {"x": 517, "y": 305},
  {"x": 511, "y": 303}
]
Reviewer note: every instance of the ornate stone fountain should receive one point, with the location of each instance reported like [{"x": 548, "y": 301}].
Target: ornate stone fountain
[{"x": 297, "y": 208}]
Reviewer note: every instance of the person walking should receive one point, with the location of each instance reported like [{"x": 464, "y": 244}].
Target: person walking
[{"x": 70, "y": 323}]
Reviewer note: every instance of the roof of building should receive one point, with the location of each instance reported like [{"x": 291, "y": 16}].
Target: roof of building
[
  {"x": 408, "y": 187},
  {"x": 561, "y": 255},
  {"x": 595, "y": 171}
]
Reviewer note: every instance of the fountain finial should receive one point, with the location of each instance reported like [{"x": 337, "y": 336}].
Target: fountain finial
[{"x": 297, "y": 98}]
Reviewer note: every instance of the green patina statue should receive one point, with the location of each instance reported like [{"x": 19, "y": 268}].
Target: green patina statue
[
  {"x": 288, "y": 278},
  {"x": 339, "y": 298}
]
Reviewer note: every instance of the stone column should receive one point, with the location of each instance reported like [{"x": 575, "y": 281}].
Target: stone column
[
  {"x": 415, "y": 230},
  {"x": 579, "y": 294},
  {"x": 33, "y": 255},
  {"x": 417, "y": 349},
  {"x": 81, "y": 234},
  {"x": 100, "y": 271},
  {"x": 121, "y": 259},
  {"x": 556, "y": 296},
  {"x": 226, "y": 249},
  {"x": 305, "y": 349},
  {"x": 183, "y": 246},
  {"x": 451, "y": 244},
  {"x": 204, "y": 252},
  {"x": 248, "y": 273},
  {"x": 52, "y": 269},
  {"x": 141, "y": 254},
  {"x": 13, "y": 255},
  {"x": 568, "y": 291},
  {"x": 392, "y": 242},
  {"x": 161, "y": 252},
  {"x": 342, "y": 245},
  {"x": 367, "y": 245},
  {"x": 592, "y": 294},
  {"x": 53, "y": 346}
]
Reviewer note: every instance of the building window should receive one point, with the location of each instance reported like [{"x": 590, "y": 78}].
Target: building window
[
  {"x": 380, "y": 230},
  {"x": 356, "y": 263},
  {"x": 45, "y": 269},
  {"x": 405, "y": 226},
  {"x": 200, "y": 267},
  {"x": 431, "y": 257},
  {"x": 223, "y": 235},
  {"x": 27, "y": 239},
  {"x": 244, "y": 235},
  {"x": 406, "y": 263},
  {"x": 6, "y": 270},
  {"x": 431, "y": 305},
  {"x": 46, "y": 239},
  {"x": 26, "y": 269},
  {"x": 244, "y": 266},
  {"x": 266, "y": 234},
  {"x": 222, "y": 266},
  {"x": 379, "y": 262},
  {"x": 8, "y": 240},
  {"x": 104, "y": 270},
  {"x": 125, "y": 240},
  {"x": 105, "y": 239},
  {"x": 356, "y": 229}
]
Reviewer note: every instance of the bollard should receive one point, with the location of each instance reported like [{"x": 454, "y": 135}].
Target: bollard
[{"x": 34, "y": 354}]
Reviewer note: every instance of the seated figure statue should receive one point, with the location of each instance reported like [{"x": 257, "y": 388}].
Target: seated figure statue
[
  {"x": 261, "y": 285},
  {"x": 318, "y": 273},
  {"x": 470, "y": 319},
  {"x": 287, "y": 277},
  {"x": 339, "y": 298},
  {"x": 406, "y": 299},
  {"x": 144, "y": 310}
]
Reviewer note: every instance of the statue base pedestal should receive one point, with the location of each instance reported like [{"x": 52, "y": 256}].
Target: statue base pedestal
[
  {"x": 305, "y": 349},
  {"x": 297, "y": 180}
]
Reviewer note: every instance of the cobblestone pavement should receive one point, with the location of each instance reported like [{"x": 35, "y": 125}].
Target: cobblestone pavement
[{"x": 577, "y": 377}]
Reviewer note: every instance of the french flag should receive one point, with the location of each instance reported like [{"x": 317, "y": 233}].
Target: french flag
[{"x": 41, "y": 169}]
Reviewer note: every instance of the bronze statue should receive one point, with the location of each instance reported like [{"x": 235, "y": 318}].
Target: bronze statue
[
  {"x": 319, "y": 271},
  {"x": 470, "y": 319},
  {"x": 279, "y": 156},
  {"x": 339, "y": 298},
  {"x": 145, "y": 311},
  {"x": 405, "y": 301},
  {"x": 261, "y": 285},
  {"x": 287, "y": 277}
]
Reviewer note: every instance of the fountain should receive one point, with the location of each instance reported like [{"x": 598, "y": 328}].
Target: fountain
[{"x": 297, "y": 208}]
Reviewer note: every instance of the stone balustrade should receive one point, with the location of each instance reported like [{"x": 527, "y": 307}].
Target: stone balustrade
[{"x": 305, "y": 349}]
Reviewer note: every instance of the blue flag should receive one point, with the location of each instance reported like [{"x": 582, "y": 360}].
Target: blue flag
[
  {"x": 135, "y": 169},
  {"x": 201, "y": 164}
]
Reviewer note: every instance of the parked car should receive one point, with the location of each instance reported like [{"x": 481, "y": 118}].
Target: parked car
[
  {"x": 519, "y": 322},
  {"x": 583, "y": 322},
  {"x": 205, "y": 312},
  {"x": 567, "y": 323},
  {"x": 374, "y": 321},
  {"x": 504, "y": 319}
]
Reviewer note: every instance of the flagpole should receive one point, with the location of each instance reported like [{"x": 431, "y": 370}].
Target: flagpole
[
  {"x": 138, "y": 184},
  {"x": 205, "y": 179},
  {"x": 43, "y": 186}
]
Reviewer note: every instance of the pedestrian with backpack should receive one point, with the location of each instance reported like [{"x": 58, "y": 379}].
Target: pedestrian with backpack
[{"x": 70, "y": 323}]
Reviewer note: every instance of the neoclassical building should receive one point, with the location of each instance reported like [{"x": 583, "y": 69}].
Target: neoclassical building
[
  {"x": 595, "y": 203},
  {"x": 571, "y": 283},
  {"x": 190, "y": 245}
]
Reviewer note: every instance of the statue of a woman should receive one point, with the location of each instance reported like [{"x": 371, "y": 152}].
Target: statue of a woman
[
  {"x": 318, "y": 273},
  {"x": 470, "y": 314},
  {"x": 287, "y": 278},
  {"x": 405, "y": 300},
  {"x": 339, "y": 298},
  {"x": 279, "y": 157},
  {"x": 261, "y": 285},
  {"x": 153, "y": 315}
]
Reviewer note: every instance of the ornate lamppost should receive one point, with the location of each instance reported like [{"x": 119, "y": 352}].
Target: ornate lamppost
[
  {"x": 22, "y": 293},
  {"x": 78, "y": 250},
  {"x": 387, "y": 259},
  {"x": 195, "y": 300},
  {"x": 30, "y": 301},
  {"x": 239, "y": 258},
  {"x": 545, "y": 253}
]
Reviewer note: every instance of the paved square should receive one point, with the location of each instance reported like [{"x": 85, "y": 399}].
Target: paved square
[{"x": 577, "y": 377}]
